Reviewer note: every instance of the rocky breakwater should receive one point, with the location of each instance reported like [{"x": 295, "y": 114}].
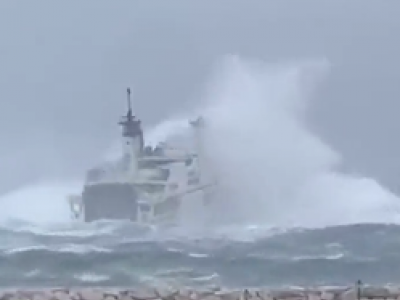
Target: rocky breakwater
[{"x": 323, "y": 293}]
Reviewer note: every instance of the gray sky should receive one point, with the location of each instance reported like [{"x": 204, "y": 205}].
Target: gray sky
[{"x": 64, "y": 67}]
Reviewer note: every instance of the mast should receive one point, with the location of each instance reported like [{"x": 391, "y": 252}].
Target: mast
[
  {"x": 132, "y": 137},
  {"x": 129, "y": 103}
]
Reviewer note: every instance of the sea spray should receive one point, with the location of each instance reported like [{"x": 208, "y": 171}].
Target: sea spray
[{"x": 272, "y": 169}]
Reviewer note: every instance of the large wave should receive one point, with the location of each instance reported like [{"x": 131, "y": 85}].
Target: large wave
[{"x": 272, "y": 169}]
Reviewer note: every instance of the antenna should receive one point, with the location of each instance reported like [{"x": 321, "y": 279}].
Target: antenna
[
  {"x": 128, "y": 91},
  {"x": 129, "y": 115}
]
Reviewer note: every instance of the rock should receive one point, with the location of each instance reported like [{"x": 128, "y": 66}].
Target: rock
[
  {"x": 348, "y": 295},
  {"x": 377, "y": 292},
  {"x": 341, "y": 293}
]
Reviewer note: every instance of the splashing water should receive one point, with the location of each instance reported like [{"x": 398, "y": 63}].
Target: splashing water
[
  {"x": 42, "y": 203},
  {"x": 272, "y": 169}
]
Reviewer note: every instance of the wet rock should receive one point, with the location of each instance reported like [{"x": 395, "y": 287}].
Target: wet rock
[
  {"x": 378, "y": 293},
  {"x": 343, "y": 293}
]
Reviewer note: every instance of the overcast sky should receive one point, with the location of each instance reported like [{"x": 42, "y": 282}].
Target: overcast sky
[{"x": 64, "y": 67}]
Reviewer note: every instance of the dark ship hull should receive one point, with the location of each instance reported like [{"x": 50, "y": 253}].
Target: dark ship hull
[{"x": 112, "y": 201}]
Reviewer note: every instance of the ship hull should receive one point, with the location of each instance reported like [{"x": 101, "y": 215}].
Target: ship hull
[{"x": 112, "y": 201}]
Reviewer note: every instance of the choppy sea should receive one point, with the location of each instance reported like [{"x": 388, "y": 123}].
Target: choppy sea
[{"x": 121, "y": 254}]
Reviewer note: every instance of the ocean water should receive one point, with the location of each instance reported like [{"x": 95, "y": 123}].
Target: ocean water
[
  {"x": 285, "y": 215},
  {"x": 118, "y": 254}
]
